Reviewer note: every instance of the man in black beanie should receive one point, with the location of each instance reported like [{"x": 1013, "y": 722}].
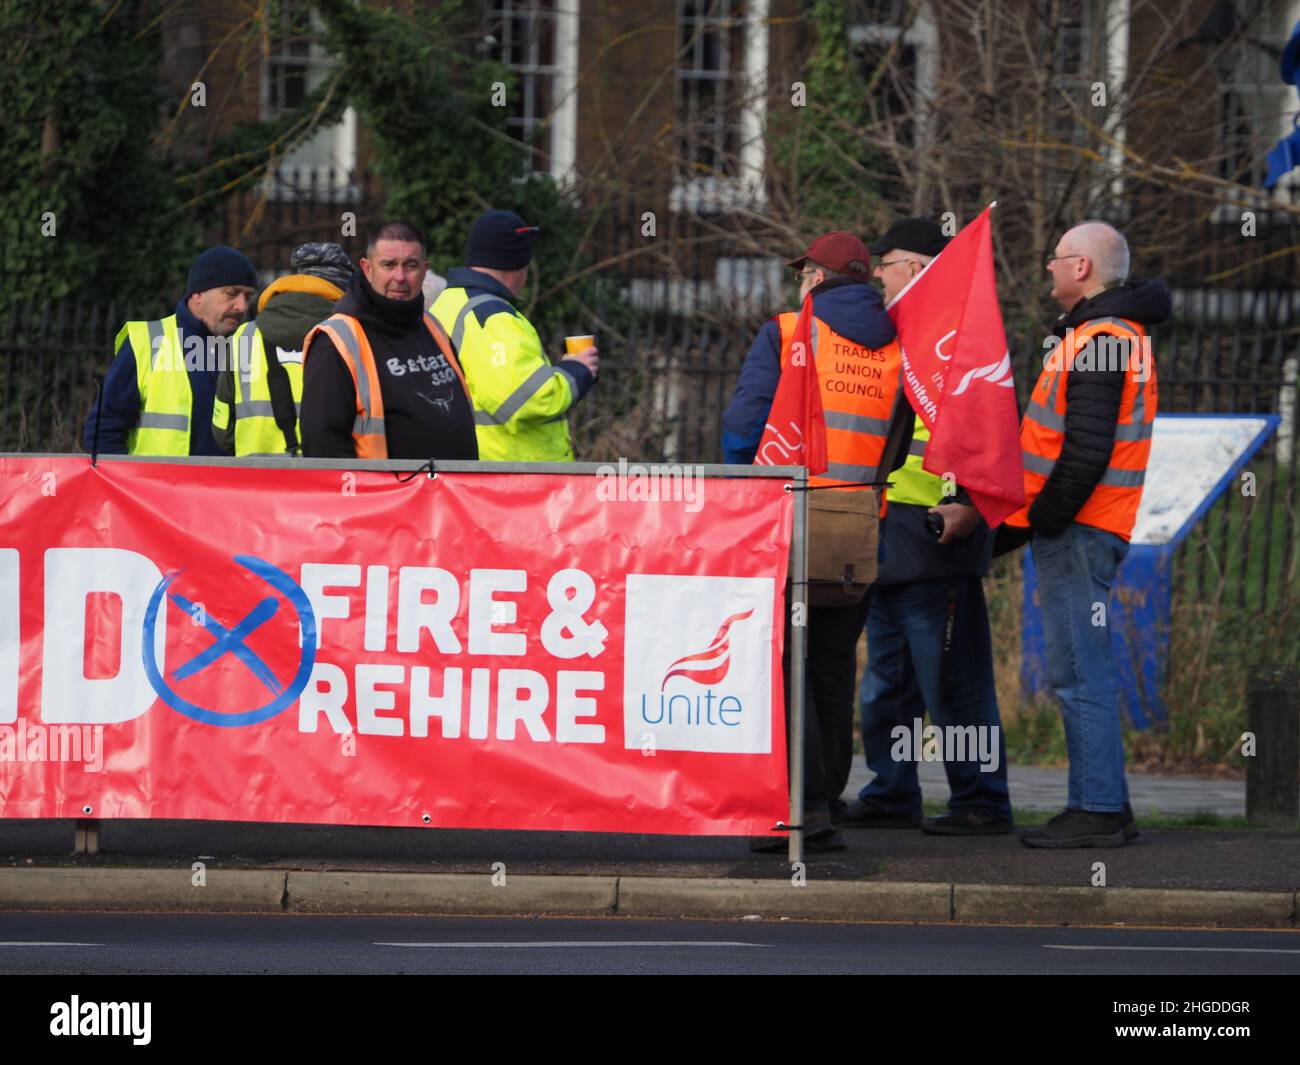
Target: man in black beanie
[
  {"x": 158, "y": 395},
  {"x": 520, "y": 398}
]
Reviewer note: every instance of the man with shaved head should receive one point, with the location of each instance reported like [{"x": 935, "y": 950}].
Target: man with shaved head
[{"x": 1085, "y": 440}]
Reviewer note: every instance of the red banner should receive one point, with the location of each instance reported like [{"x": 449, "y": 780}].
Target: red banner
[
  {"x": 957, "y": 372},
  {"x": 475, "y": 650},
  {"x": 795, "y": 432}
]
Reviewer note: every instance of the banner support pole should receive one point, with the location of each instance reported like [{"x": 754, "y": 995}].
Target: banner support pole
[
  {"x": 85, "y": 837},
  {"x": 798, "y": 640}
]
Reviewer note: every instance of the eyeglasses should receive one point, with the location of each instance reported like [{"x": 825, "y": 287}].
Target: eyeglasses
[
  {"x": 1054, "y": 258},
  {"x": 890, "y": 262},
  {"x": 808, "y": 273}
]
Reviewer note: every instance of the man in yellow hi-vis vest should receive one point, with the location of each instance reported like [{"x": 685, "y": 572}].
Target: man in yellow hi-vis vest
[
  {"x": 256, "y": 409},
  {"x": 929, "y": 587},
  {"x": 157, "y": 397},
  {"x": 521, "y": 399}
]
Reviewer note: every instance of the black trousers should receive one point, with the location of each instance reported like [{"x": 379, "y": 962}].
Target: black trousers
[{"x": 829, "y": 693}]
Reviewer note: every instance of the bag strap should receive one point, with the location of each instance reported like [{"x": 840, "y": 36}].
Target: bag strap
[{"x": 282, "y": 406}]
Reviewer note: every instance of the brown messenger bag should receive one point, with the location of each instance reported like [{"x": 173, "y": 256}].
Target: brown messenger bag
[{"x": 843, "y": 532}]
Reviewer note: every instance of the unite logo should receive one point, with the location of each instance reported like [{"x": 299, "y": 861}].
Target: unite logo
[
  {"x": 697, "y": 663},
  {"x": 994, "y": 373}
]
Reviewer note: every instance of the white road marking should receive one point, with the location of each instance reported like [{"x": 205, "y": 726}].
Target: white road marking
[
  {"x": 1193, "y": 950},
  {"x": 44, "y": 943},
  {"x": 584, "y": 943}
]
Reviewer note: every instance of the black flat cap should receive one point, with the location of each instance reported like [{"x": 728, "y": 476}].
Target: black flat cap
[{"x": 918, "y": 235}]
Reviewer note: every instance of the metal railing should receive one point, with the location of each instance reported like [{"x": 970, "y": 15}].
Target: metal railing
[{"x": 665, "y": 384}]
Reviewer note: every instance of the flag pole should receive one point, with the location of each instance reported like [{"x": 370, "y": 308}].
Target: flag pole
[{"x": 798, "y": 638}]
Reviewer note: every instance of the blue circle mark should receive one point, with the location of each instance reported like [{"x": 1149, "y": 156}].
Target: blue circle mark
[{"x": 287, "y": 587}]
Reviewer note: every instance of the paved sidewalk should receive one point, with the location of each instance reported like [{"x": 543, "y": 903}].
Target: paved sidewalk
[
  {"x": 1188, "y": 877},
  {"x": 1044, "y": 788}
]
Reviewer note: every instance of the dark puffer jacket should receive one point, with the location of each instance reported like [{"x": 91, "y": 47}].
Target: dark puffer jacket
[{"x": 1092, "y": 406}]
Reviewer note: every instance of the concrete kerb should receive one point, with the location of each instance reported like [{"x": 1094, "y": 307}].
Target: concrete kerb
[
  {"x": 450, "y": 893},
  {"x": 280, "y": 891},
  {"x": 818, "y": 900},
  {"x": 221, "y": 891},
  {"x": 1014, "y": 903}
]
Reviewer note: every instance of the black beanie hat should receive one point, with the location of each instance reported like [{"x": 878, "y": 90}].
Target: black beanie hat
[
  {"x": 500, "y": 240},
  {"x": 220, "y": 265}
]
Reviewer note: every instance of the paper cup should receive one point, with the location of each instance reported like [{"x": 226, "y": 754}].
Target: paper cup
[{"x": 573, "y": 345}]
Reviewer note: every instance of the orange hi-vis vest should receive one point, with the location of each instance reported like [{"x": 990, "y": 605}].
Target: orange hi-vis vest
[
  {"x": 858, "y": 386},
  {"x": 353, "y": 346},
  {"x": 1113, "y": 505}
]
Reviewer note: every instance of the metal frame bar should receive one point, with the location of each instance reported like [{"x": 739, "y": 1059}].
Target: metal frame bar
[
  {"x": 718, "y": 470},
  {"x": 798, "y": 642}
]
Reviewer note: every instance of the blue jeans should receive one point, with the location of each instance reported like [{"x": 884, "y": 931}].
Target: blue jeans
[
  {"x": 1075, "y": 571},
  {"x": 905, "y": 677}
]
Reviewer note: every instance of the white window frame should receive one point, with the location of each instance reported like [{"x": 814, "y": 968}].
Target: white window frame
[
  {"x": 1110, "y": 20},
  {"x": 922, "y": 35},
  {"x": 559, "y": 146},
  {"x": 1273, "y": 126},
  {"x": 333, "y": 180},
  {"x": 718, "y": 193}
]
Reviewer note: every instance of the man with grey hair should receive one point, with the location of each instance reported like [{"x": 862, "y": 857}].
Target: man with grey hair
[
  {"x": 928, "y": 641},
  {"x": 1085, "y": 441}
]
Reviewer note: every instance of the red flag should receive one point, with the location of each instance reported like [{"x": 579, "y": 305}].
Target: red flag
[
  {"x": 795, "y": 434},
  {"x": 957, "y": 371}
]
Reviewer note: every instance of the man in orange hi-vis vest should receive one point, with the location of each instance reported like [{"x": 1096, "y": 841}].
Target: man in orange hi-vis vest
[
  {"x": 857, "y": 360},
  {"x": 380, "y": 379},
  {"x": 1085, "y": 440}
]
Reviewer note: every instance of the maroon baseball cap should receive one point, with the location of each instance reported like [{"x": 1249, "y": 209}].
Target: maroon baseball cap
[{"x": 839, "y": 251}]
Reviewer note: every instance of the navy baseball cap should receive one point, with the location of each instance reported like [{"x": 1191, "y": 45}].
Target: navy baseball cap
[{"x": 500, "y": 240}]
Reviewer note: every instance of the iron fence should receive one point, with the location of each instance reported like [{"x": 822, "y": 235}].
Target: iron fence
[{"x": 666, "y": 381}]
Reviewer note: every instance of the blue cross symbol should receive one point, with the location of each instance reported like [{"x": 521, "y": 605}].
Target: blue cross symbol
[{"x": 232, "y": 641}]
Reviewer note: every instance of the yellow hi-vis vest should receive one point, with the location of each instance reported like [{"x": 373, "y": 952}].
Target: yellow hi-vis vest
[
  {"x": 256, "y": 430},
  {"x": 521, "y": 401},
  {"x": 911, "y": 484},
  {"x": 164, "y": 386}
]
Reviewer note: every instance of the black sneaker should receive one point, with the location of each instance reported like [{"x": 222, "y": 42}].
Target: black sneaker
[
  {"x": 867, "y": 815},
  {"x": 838, "y": 806},
  {"x": 1074, "y": 827},
  {"x": 1130, "y": 825},
  {"x": 968, "y": 823}
]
